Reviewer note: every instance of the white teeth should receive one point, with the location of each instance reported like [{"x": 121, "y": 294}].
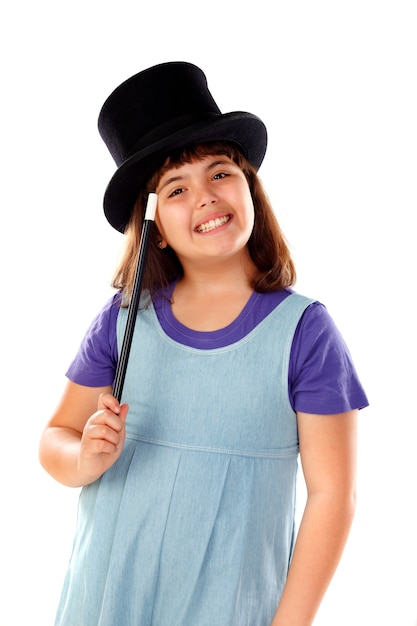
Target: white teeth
[{"x": 211, "y": 224}]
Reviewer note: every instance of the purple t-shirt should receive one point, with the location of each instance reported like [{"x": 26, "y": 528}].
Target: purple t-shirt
[{"x": 322, "y": 378}]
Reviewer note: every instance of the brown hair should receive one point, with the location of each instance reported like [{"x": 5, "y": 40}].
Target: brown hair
[{"x": 267, "y": 245}]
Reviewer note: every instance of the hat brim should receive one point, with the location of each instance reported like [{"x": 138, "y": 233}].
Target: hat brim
[{"x": 244, "y": 129}]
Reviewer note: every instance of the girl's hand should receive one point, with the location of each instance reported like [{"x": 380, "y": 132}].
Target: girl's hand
[{"x": 103, "y": 437}]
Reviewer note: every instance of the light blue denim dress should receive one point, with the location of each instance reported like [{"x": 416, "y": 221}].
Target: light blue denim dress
[{"x": 194, "y": 525}]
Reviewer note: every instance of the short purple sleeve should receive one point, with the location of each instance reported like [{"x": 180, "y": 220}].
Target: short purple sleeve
[
  {"x": 322, "y": 377},
  {"x": 95, "y": 362}
]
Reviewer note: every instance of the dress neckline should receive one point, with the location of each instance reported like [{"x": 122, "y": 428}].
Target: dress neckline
[{"x": 257, "y": 307}]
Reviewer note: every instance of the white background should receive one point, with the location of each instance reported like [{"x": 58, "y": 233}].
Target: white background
[{"x": 335, "y": 83}]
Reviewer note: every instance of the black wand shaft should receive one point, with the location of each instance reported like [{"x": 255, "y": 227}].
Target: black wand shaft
[{"x": 120, "y": 375}]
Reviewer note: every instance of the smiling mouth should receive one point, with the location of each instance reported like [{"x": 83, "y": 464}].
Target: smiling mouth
[{"x": 212, "y": 224}]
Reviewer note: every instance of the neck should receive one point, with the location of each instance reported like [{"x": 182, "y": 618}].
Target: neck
[
  {"x": 206, "y": 299},
  {"x": 219, "y": 275},
  {"x": 217, "y": 280}
]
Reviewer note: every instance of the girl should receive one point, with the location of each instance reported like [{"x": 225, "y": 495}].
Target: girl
[{"x": 186, "y": 516}]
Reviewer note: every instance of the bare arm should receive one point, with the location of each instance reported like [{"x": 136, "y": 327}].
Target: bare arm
[
  {"x": 328, "y": 457},
  {"x": 85, "y": 435}
]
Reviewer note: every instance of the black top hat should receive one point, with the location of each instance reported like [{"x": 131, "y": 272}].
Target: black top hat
[{"x": 163, "y": 108}]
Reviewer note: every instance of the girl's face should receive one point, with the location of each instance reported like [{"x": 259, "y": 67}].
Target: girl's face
[{"x": 205, "y": 210}]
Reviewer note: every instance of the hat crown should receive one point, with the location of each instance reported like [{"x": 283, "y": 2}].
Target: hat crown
[{"x": 155, "y": 101}]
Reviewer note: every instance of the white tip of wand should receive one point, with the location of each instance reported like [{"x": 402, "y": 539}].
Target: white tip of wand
[{"x": 151, "y": 206}]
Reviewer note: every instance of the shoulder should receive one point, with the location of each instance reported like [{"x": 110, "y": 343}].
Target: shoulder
[
  {"x": 96, "y": 359},
  {"x": 322, "y": 376},
  {"x": 317, "y": 336},
  {"x": 105, "y": 320},
  {"x": 317, "y": 326},
  {"x": 285, "y": 302}
]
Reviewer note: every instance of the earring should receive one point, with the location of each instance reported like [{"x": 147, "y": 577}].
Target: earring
[{"x": 162, "y": 244}]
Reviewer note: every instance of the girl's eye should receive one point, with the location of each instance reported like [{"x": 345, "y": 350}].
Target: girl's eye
[
  {"x": 176, "y": 192},
  {"x": 220, "y": 175}
]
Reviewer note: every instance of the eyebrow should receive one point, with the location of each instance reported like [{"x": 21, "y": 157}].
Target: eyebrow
[
  {"x": 173, "y": 179},
  {"x": 212, "y": 165}
]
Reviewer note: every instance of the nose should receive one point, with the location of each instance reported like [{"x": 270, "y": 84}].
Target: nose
[{"x": 205, "y": 196}]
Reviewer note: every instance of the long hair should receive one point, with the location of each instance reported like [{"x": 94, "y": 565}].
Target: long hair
[{"x": 267, "y": 245}]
